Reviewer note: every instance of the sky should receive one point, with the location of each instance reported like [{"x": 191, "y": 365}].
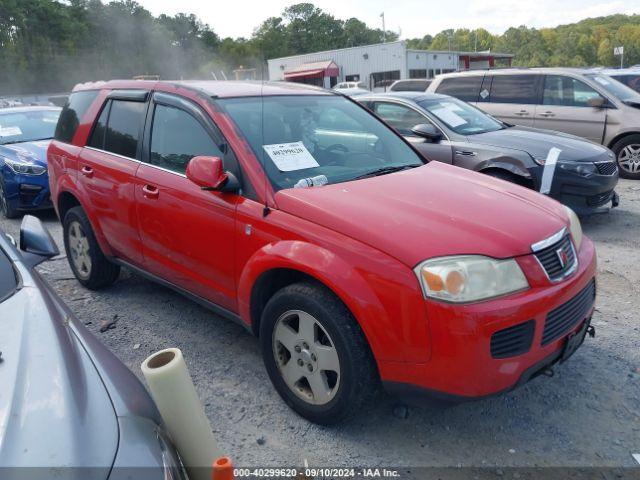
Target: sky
[{"x": 240, "y": 18}]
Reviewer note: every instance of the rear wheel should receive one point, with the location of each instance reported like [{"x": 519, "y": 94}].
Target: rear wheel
[
  {"x": 316, "y": 354},
  {"x": 88, "y": 263},
  {"x": 5, "y": 207},
  {"x": 627, "y": 151}
]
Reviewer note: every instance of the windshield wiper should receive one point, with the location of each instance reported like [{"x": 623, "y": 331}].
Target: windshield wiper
[{"x": 385, "y": 170}]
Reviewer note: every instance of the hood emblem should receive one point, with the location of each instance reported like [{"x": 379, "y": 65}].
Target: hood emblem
[{"x": 562, "y": 257}]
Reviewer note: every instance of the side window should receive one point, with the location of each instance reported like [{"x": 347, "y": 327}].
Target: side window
[
  {"x": 402, "y": 118},
  {"x": 567, "y": 92},
  {"x": 514, "y": 89},
  {"x": 123, "y": 128},
  {"x": 72, "y": 112},
  {"x": 100, "y": 128},
  {"x": 464, "y": 88},
  {"x": 177, "y": 137}
]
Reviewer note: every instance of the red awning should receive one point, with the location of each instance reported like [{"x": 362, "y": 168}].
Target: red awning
[
  {"x": 308, "y": 73},
  {"x": 325, "y": 68}
]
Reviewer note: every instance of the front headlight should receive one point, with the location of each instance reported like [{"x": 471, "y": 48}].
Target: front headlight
[
  {"x": 581, "y": 168},
  {"x": 25, "y": 168},
  {"x": 469, "y": 278},
  {"x": 574, "y": 227}
]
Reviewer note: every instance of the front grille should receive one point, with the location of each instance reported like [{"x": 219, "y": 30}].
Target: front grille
[
  {"x": 512, "y": 341},
  {"x": 559, "y": 259},
  {"x": 606, "y": 168},
  {"x": 567, "y": 316}
]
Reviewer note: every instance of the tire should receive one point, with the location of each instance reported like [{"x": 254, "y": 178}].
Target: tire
[
  {"x": 88, "y": 263},
  {"x": 342, "y": 391},
  {"x": 5, "y": 208},
  {"x": 627, "y": 152}
]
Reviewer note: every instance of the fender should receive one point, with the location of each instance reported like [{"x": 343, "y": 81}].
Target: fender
[
  {"x": 337, "y": 275},
  {"x": 511, "y": 166}
]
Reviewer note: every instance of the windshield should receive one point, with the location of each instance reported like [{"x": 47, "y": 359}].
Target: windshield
[
  {"x": 615, "y": 88},
  {"x": 27, "y": 126},
  {"x": 324, "y": 137},
  {"x": 8, "y": 280},
  {"x": 461, "y": 117}
]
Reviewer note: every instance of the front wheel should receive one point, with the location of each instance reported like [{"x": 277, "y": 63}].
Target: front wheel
[
  {"x": 316, "y": 354},
  {"x": 5, "y": 206},
  {"x": 627, "y": 151},
  {"x": 88, "y": 263}
]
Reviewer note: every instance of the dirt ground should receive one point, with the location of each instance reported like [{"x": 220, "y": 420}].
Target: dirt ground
[{"x": 588, "y": 414}]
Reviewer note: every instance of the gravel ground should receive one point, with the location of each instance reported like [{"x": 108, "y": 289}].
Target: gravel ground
[{"x": 588, "y": 414}]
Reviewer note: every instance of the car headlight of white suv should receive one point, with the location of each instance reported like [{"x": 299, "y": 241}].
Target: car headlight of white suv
[{"x": 469, "y": 278}]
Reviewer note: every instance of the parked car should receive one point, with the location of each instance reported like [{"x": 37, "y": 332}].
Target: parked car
[
  {"x": 449, "y": 130},
  {"x": 580, "y": 102},
  {"x": 68, "y": 408},
  {"x": 300, "y": 215},
  {"x": 350, "y": 85},
  {"x": 352, "y": 89},
  {"x": 25, "y": 133},
  {"x": 628, "y": 76},
  {"x": 411, "y": 85}
]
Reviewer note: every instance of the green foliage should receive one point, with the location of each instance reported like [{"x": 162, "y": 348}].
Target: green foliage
[{"x": 49, "y": 45}]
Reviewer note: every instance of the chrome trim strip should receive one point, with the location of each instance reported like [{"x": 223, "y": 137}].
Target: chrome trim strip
[
  {"x": 137, "y": 161},
  {"x": 542, "y": 244}
]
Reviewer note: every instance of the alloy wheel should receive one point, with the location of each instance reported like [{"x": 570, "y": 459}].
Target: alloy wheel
[
  {"x": 306, "y": 357},
  {"x": 79, "y": 249},
  {"x": 629, "y": 158}
]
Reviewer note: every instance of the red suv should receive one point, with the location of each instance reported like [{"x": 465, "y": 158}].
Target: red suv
[{"x": 305, "y": 218}]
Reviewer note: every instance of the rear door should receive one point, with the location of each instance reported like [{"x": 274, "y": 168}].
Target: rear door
[
  {"x": 187, "y": 233},
  {"x": 107, "y": 168},
  {"x": 565, "y": 108},
  {"x": 512, "y": 98},
  {"x": 403, "y": 118}
]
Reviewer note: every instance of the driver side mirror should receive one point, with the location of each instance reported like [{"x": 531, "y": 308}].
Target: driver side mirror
[
  {"x": 36, "y": 242},
  {"x": 428, "y": 131},
  {"x": 208, "y": 173},
  {"x": 596, "y": 102}
]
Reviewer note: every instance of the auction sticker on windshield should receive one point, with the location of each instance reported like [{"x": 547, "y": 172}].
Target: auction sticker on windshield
[
  {"x": 289, "y": 157},
  {"x": 10, "y": 131}
]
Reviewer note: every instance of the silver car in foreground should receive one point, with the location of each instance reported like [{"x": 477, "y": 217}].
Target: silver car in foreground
[{"x": 69, "y": 409}]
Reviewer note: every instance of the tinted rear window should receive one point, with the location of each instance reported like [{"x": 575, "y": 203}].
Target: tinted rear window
[
  {"x": 123, "y": 128},
  {"x": 8, "y": 280},
  {"x": 514, "y": 89},
  {"x": 463, "y": 88},
  {"x": 76, "y": 106},
  {"x": 410, "y": 86}
]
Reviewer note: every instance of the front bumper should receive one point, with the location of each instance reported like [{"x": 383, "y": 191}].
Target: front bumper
[
  {"x": 462, "y": 365},
  {"x": 585, "y": 195},
  {"x": 26, "y": 192}
]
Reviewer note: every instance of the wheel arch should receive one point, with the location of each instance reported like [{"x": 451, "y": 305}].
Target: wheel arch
[
  {"x": 521, "y": 179},
  {"x": 277, "y": 265},
  {"x": 621, "y": 136}
]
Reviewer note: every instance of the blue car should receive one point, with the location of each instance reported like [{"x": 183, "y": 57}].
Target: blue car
[{"x": 25, "y": 133}]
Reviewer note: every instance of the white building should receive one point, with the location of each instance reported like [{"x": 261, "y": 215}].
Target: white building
[{"x": 377, "y": 65}]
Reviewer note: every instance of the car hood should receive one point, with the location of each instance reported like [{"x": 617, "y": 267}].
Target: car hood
[
  {"x": 34, "y": 152},
  {"x": 431, "y": 211},
  {"x": 54, "y": 409},
  {"x": 537, "y": 143}
]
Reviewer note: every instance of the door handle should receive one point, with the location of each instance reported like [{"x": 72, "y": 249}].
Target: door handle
[
  {"x": 466, "y": 153},
  {"x": 522, "y": 113},
  {"x": 150, "y": 191},
  {"x": 87, "y": 171},
  {"x": 547, "y": 114}
]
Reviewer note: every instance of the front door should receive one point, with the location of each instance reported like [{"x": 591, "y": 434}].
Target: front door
[
  {"x": 403, "y": 118},
  {"x": 565, "y": 108},
  {"x": 187, "y": 233}
]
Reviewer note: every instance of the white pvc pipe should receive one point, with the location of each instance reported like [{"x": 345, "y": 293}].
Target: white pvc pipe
[{"x": 177, "y": 400}]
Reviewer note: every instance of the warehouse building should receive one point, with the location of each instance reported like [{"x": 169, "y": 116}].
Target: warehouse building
[{"x": 378, "y": 65}]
